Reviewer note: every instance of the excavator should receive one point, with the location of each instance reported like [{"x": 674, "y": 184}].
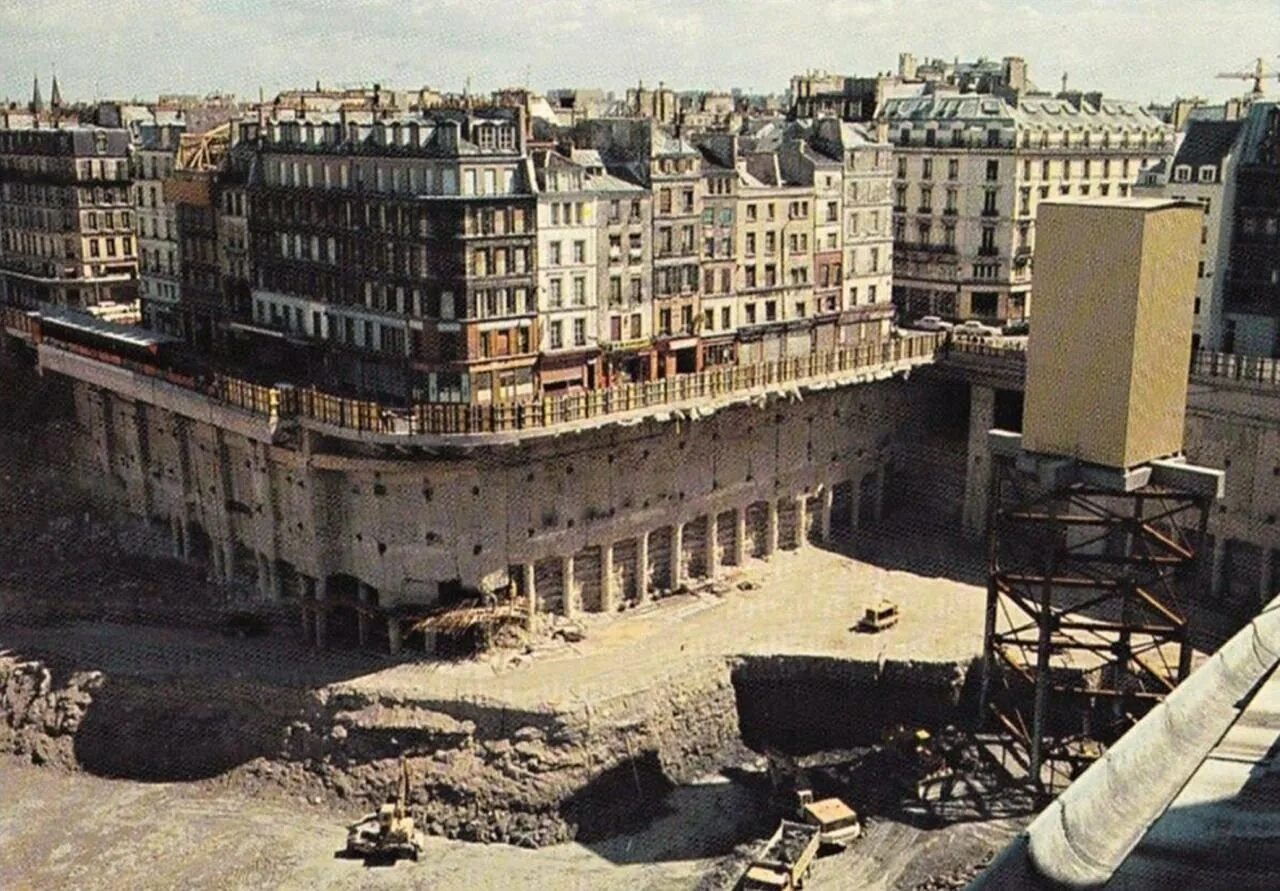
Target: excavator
[{"x": 389, "y": 833}]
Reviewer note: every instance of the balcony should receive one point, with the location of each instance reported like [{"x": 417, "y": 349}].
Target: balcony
[
  {"x": 925, "y": 209},
  {"x": 950, "y": 212},
  {"x": 990, "y": 212},
  {"x": 988, "y": 251}
]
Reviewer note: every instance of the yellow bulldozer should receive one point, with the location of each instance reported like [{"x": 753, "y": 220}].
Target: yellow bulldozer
[{"x": 389, "y": 833}]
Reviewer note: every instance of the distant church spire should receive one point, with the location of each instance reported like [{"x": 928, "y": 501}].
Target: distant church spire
[
  {"x": 37, "y": 104},
  {"x": 55, "y": 97}
]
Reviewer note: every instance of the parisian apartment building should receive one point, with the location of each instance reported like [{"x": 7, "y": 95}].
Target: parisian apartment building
[
  {"x": 971, "y": 170},
  {"x": 66, "y": 219}
]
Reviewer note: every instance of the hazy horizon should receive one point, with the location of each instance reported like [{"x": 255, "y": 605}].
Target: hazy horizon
[{"x": 1140, "y": 49}]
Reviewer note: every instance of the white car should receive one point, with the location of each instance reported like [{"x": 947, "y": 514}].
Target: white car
[
  {"x": 932, "y": 323},
  {"x": 974, "y": 328}
]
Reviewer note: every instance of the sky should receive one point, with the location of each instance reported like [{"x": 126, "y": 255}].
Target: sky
[{"x": 1133, "y": 49}]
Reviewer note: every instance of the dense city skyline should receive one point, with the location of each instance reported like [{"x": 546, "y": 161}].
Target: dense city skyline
[{"x": 1139, "y": 50}]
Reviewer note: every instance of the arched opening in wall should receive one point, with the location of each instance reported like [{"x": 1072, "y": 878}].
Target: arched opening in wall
[
  {"x": 788, "y": 524},
  {"x": 842, "y": 507},
  {"x": 288, "y": 581},
  {"x": 813, "y": 518},
  {"x": 626, "y": 582},
  {"x": 868, "y": 490},
  {"x": 586, "y": 579},
  {"x": 342, "y": 593},
  {"x": 694, "y": 542},
  {"x": 758, "y": 529},
  {"x": 660, "y": 559},
  {"x": 548, "y": 584},
  {"x": 727, "y": 538},
  {"x": 199, "y": 546}
]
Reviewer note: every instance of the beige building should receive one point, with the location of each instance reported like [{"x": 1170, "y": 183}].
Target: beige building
[
  {"x": 568, "y": 309},
  {"x": 970, "y": 172},
  {"x": 66, "y": 218},
  {"x": 156, "y": 226}
]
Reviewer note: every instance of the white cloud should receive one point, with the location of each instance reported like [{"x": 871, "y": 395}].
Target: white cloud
[{"x": 1140, "y": 49}]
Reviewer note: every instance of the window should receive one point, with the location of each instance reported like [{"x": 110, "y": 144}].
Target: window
[
  {"x": 926, "y": 171},
  {"x": 553, "y": 253},
  {"x": 615, "y": 291},
  {"x": 579, "y": 332},
  {"x": 726, "y": 317},
  {"x": 555, "y": 294},
  {"x": 902, "y": 168},
  {"x": 751, "y": 313},
  {"x": 993, "y": 170},
  {"x": 771, "y": 310},
  {"x": 1182, "y": 173},
  {"x": 579, "y": 291},
  {"x": 555, "y": 335},
  {"x": 1208, "y": 173},
  {"x": 579, "y": 252}
]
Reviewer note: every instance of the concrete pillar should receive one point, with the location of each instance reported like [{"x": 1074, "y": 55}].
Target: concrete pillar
[
  {"x": 228, "y": 560},
  {"x": 217, "y": 557},
  {"x": 395, "y": 635},
  {"x": 570, "y": 589},
  {"x": 263, "y": 576},
  {"x": 771, "y": 532},
  {"x": 642, "y": 567},
  {"x": 977, "y": 480},
  {"x": 322, "y": 612},
  {"x": 740, "y": 536},
  {"x": 824, "y": 514},
  {"x": 713, "y": 545},
  {"x": 175, "y": 532},
  {"x": 1217, "y": 569},
  {"x": 530, "y": 593},
  {"x": 608, "y": 593},
  {"x": 677, "y": 555},
  {"x": 362, "y": 618},
  {"x": 275, "y": 584},
  {"x": 802, "y": 521},
  {"x": 306, "y": 601}
]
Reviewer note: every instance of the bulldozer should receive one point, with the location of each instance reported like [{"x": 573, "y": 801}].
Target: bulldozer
[{"x": 389, "y": 833}]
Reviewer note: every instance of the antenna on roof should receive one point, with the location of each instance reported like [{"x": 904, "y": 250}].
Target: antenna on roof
[{"x": 1064, "y": 81}]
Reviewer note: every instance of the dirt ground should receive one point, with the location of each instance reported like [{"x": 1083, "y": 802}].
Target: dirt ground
[{"x": 61, "y": 830}]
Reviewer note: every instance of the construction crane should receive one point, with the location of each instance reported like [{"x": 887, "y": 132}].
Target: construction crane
[{"x": 1257, "y": 75}]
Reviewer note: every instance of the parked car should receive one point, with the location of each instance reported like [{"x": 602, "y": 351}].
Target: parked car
[
  {"x": 1020, "y": 328},
  {"x": 974, "y": 328},
  {"x": 932, "y": 323}
]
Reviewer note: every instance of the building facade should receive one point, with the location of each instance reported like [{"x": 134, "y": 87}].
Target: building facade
[
  {"x": 405, "y": 243},
  {"x": 1251, "y": 296},
  {"x": 970, "y": 170},
  {"x": 66, "y": 218},
  {"x": 156, "y": 227},
  {"x": 1203, "y": 170}
]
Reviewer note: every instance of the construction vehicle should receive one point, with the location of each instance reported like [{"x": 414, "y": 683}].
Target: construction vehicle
[
  {"x": 914, "y": 747},
  {"x": 785, "y": 859},
  {"x": 837, "y": 823},
  {"x": 881, "y": 617},
  {"x": 389, "y": 833}
]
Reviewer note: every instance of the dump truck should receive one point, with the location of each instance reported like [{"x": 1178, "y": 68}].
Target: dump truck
[
  {"x": 785, "y": 859},
  {"x": 881, "y": 617},
  {"x": 389, "y": 833}
]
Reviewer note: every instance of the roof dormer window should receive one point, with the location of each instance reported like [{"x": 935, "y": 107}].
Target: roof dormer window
[
  {"x": 1208, "y": 173},
  {"x": 1182, "y": 173}
]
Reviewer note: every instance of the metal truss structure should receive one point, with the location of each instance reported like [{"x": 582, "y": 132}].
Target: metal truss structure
[{"x": 1085, "y": 623}]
